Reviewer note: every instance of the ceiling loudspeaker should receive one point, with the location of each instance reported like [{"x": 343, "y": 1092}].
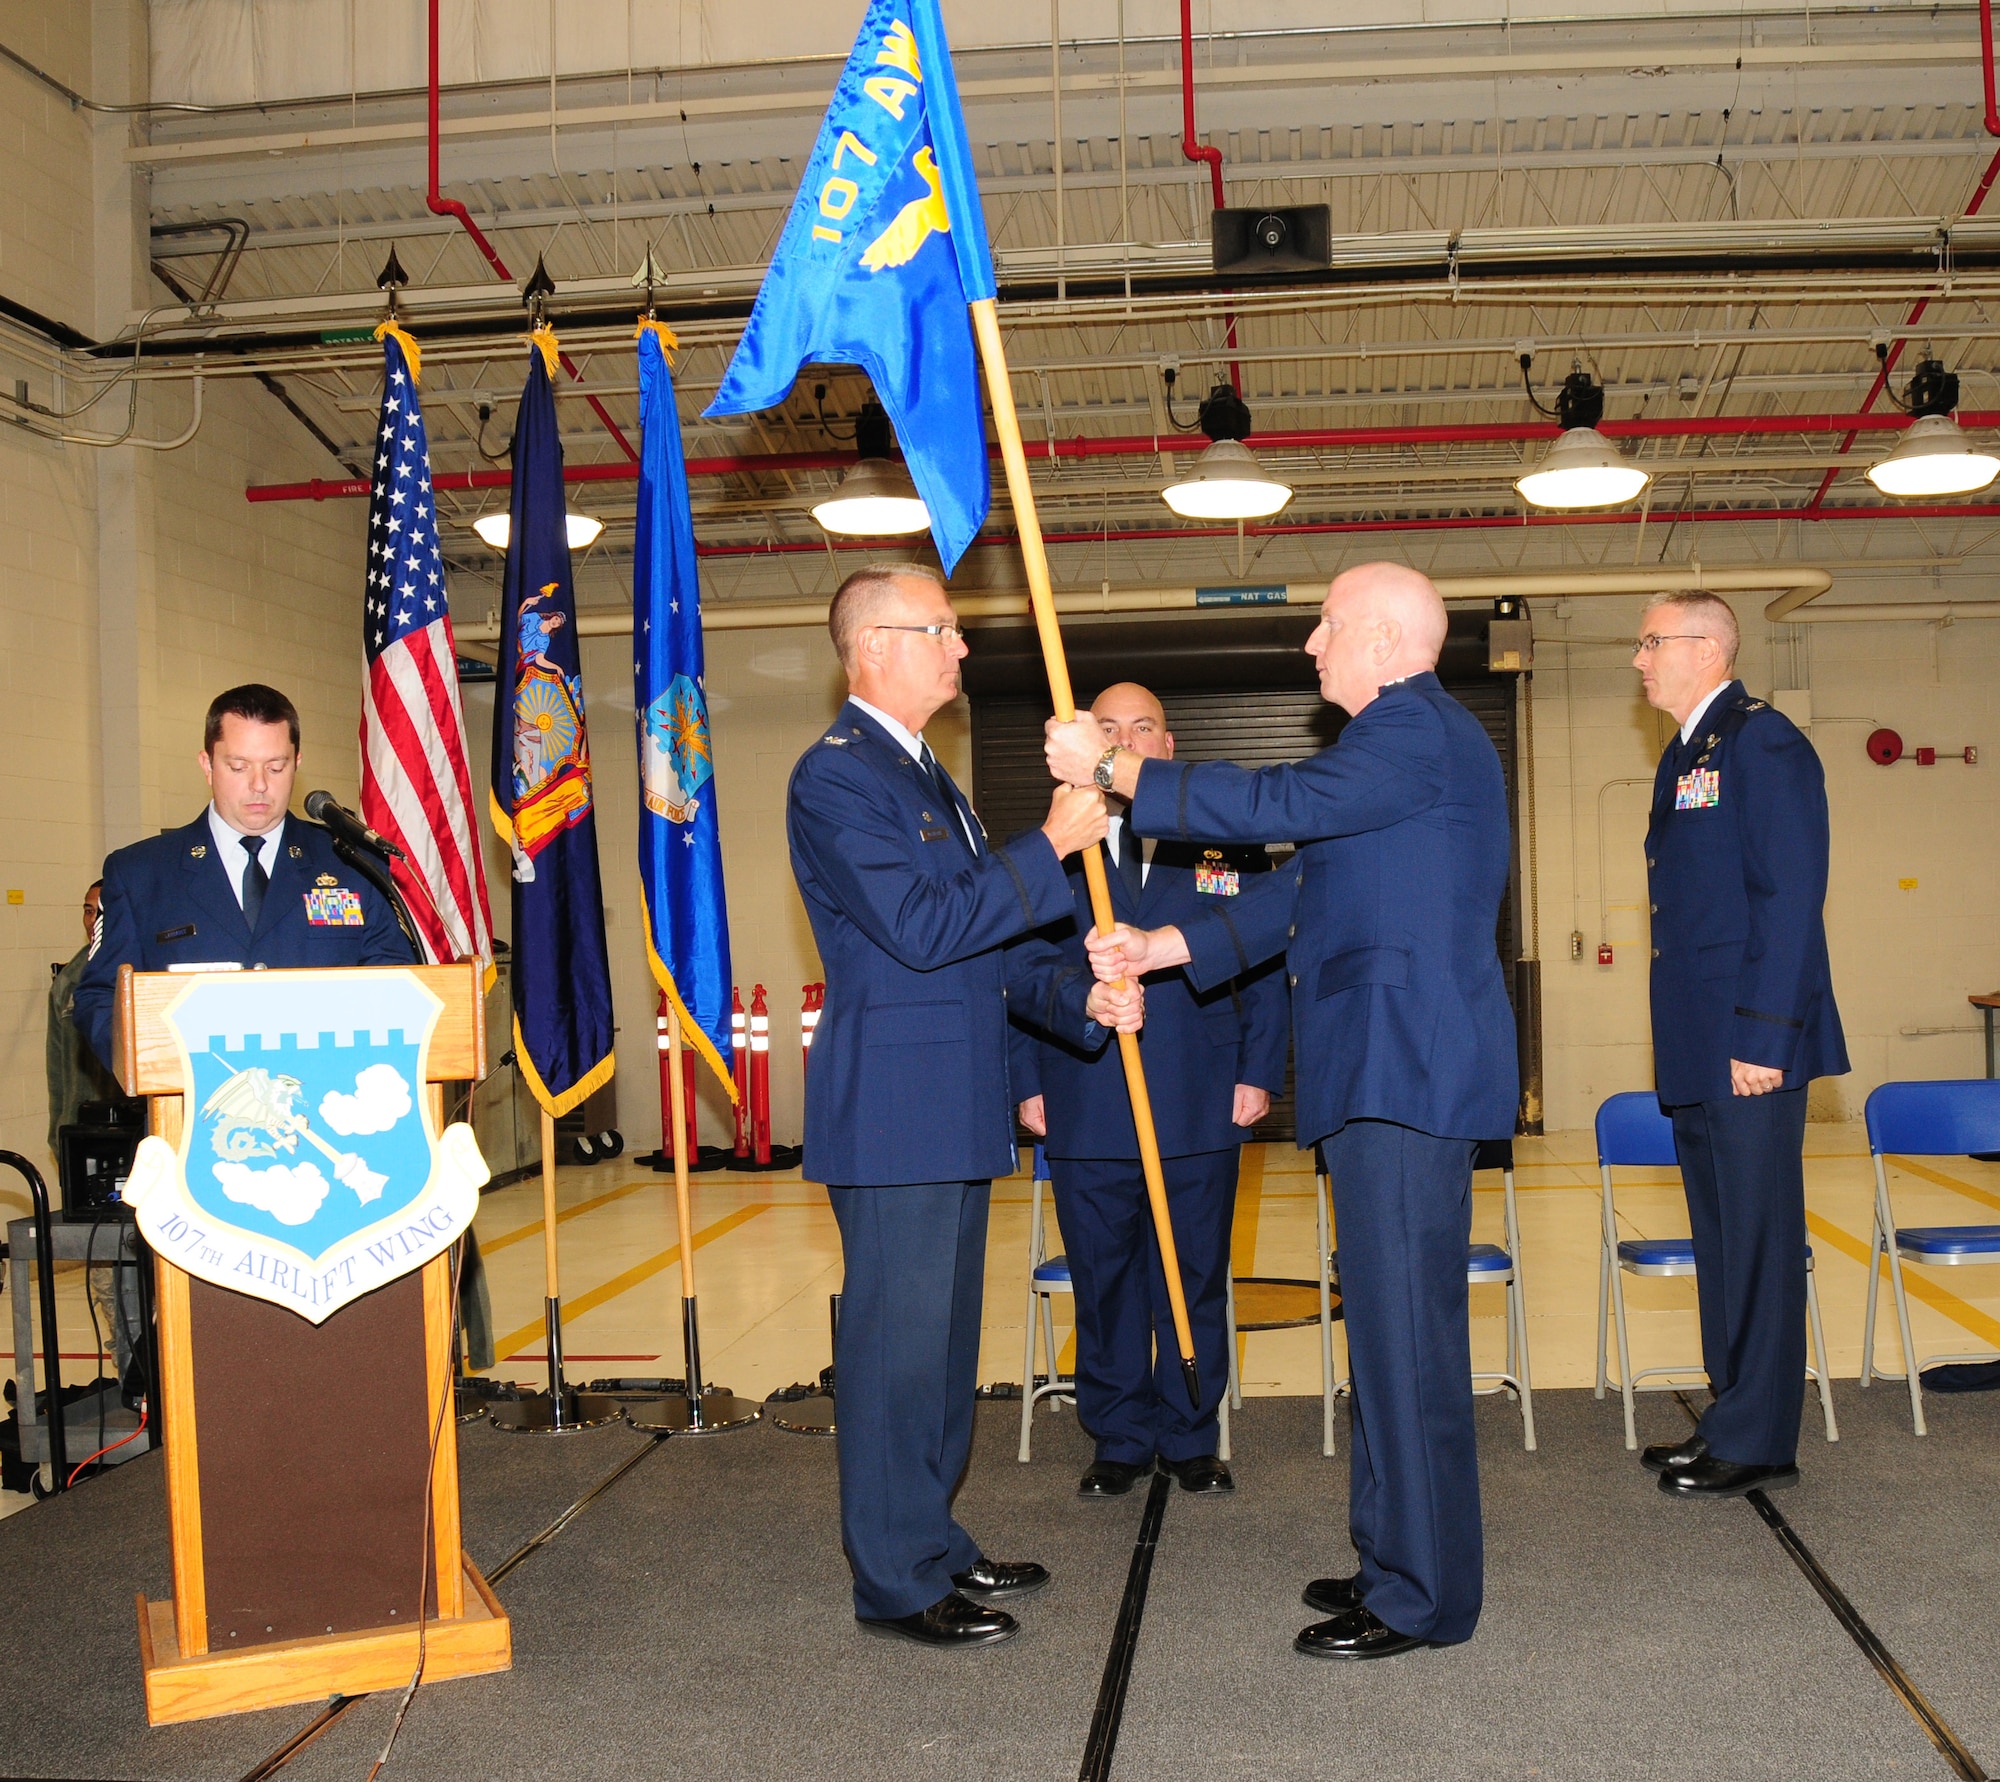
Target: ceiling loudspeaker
[{"x": 1297, "y": 239}]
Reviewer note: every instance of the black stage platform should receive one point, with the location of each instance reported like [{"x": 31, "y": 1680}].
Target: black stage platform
[{"x": 692, "y": 1620}]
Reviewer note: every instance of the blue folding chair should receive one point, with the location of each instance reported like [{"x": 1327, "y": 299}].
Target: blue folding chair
[
  {"x": 1486, "y": 1265},
  {"x": 1049, "y": 1275},
  {"x": 1632, "y": 1133},
  {"x": 1951, "y": 1119}
]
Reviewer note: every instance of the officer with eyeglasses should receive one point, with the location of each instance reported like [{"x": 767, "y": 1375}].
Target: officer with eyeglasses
[
  {"x": 1743, "y": 1020},
  {"x": 909, "y": 1112}
]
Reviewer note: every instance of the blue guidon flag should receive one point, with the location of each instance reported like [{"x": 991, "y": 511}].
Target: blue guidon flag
[
  {"x": 309, "y": 1171},
  {"x": 680, "y": 834},
  {"x": 542, "y": 802},
  {"x": 883, "y": 251}
]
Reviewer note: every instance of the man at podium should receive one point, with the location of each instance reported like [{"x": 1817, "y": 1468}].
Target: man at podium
[{"x": 246, "y": 884}]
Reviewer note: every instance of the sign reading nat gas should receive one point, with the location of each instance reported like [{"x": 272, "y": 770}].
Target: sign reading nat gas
[{"x": 309, "y": 1170}]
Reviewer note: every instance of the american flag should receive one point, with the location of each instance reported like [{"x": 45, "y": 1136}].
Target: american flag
[{"x": 416, "y": 786}]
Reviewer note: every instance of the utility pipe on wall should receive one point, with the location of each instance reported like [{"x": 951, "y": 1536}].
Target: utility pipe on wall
[{"x": 1800, "y": 583}]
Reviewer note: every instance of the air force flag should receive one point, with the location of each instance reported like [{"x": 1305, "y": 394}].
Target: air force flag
[
  {"x": 680, "y": 834},
  {"x": 883, "y": 251}
]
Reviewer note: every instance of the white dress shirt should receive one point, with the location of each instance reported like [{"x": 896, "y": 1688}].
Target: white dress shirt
[
  {"x": 913, "y": 740},
  {"x": 1695, "y": 717},
  {"x": 236, "y": 858}
]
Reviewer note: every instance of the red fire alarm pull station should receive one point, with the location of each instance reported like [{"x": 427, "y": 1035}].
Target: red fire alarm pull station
[
  {"x": 1885, "y": 748},
  {"x": 1603, "y": 952}
]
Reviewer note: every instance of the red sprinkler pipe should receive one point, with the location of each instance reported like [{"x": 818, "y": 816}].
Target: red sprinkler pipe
[
  {"x": 442, "y": 206},
  {"x": 1196, "y": 151}
]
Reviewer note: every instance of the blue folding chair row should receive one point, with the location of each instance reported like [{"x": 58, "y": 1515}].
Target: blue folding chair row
[
  {"x": 1486, "y": 1265},
  {"x": 1947, "y": 1119},
  {"x": 1632, "y": 1133}
]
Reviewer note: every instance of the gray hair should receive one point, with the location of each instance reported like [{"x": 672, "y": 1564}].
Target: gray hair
[
  {"x": 862, "y": 595},
  {"x": 1711, "y": 615}
]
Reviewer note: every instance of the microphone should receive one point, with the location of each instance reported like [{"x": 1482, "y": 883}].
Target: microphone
[{"x": 323, "y": 808}]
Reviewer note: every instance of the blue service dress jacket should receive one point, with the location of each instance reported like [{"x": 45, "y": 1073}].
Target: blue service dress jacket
[
  {"x": 1197, "y": 1044},
  {"x": 1387, "y": 915},
  {"x": 1736, "y": 863},
  {"x": 909, "y": 1080},
  {"x": 168, "y": 902}
]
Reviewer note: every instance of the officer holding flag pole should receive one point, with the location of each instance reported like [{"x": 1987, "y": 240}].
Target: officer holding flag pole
[{"x": 880, "y": 261}]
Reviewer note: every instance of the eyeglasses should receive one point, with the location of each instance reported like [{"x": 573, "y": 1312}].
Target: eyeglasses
[
  {"x": 948, "y": 633},
  {"x": 1653, "y": 639}
]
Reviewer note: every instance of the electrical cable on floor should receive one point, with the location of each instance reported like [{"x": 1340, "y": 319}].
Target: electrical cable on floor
[
  {"x": 447, "y": 1397},
  {"x": 1958, "y": 1759},
  {"x": 337, "y": 1706},
  {"x": 1110, "y": 1710}
]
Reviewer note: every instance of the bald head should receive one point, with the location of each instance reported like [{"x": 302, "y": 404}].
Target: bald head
[
  {"x": 1132, "y": 717},
  {"x": 1381, "y": 622}
]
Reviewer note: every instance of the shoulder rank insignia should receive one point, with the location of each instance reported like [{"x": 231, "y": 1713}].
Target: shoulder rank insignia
[
  {"x": 199, "y": 851},
  {"x": 326, "y": 878},
  {"x": 839, "y": 742},
  {"x": 1753, "y": 705}
]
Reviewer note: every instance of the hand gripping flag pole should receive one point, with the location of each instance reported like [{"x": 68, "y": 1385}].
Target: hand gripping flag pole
[{"x": 881, "y": 258}]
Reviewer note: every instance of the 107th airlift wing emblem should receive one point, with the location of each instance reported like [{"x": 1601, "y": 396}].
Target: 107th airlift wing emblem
[{"x": 310, "y": 1170}]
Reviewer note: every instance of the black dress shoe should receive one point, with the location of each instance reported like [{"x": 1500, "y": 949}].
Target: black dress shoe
[
  {"x": 1002, "y": 1577},
  {"x": 1710, "y": 1477},
  {"x": 1355, "y": 1634},
  {"x": 1203, "y": 1474},
  {"x": 950, "y": 1621},
  {"x": 1111, "y": 1478},
  {"x": 1667, "y": 1457},
  {"x": 1333, "y": 1596}
]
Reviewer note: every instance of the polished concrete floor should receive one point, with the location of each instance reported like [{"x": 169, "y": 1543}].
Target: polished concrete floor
[{"x": 767, "y": 1256}]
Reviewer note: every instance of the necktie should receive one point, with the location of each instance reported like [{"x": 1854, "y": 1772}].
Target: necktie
[
  {"x": 947, "y": 793},
  {"x": 1131, "y": 862},
  {"x": 256, "y": 881}
]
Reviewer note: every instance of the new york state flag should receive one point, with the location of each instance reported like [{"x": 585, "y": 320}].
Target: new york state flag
[{"x": 884, "y": 249}]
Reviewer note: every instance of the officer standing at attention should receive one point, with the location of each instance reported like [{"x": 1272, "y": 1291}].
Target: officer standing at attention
[
  {"x": 908, "y": 1111},
  {"x": 244, "y": 884},
  {"x": 1213, "y": 1060},
  {"x": 1743, "y": 1019},
  {"x": 1405, "y": 1055}
]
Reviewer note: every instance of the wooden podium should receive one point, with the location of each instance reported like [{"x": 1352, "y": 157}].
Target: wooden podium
[{"x": 297, "y": 1454}]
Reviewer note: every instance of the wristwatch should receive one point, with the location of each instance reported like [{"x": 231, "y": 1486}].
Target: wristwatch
[{"x": 1101, "y": 774}]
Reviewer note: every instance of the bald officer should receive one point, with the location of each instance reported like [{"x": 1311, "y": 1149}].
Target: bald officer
[
  {"x": 1214, "y": 1058},
  {"x": 245, "y": 884},
  {"x": 908, "y": 1111},
  {"x": 1405, "y": 1055},
  {"x": 1743, "y": 1020}
]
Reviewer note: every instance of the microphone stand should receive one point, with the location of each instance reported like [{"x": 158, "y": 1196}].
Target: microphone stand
[{"x": 375, "y": 869}]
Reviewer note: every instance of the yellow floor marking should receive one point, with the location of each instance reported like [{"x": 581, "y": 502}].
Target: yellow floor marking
[
  {"x": 1243, "y": 1232},
  {"x": 509, "y": 1345},
  {"x": 1938, "y": 1176},
  {"x": 1918, "y": 1286},
  {"x": 576, "y": 1212}
]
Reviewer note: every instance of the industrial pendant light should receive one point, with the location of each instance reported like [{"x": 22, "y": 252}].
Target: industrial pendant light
[
  {"x": 1936, "y": 457},
  {"x": 496, "y": 529},
  {"x": 1582, "y": 469},
  {"x": 876, "y": 498},
  {"x": 1227, "y": 482}
]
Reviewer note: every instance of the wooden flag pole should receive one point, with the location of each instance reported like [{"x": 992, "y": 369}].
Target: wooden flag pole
[
  {"x": 552, "y": 1283},
  {"x": 694, "y": 1410},
  {"x": 986, "y": 325}
]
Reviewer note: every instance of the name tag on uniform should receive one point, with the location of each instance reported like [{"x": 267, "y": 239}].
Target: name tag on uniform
[
  {"x": 1698, "y": 790},
  {"x": 933, "y": 834},
  {"x": 1213, "y": 879},
  {"x": 337, "y": 907}
]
